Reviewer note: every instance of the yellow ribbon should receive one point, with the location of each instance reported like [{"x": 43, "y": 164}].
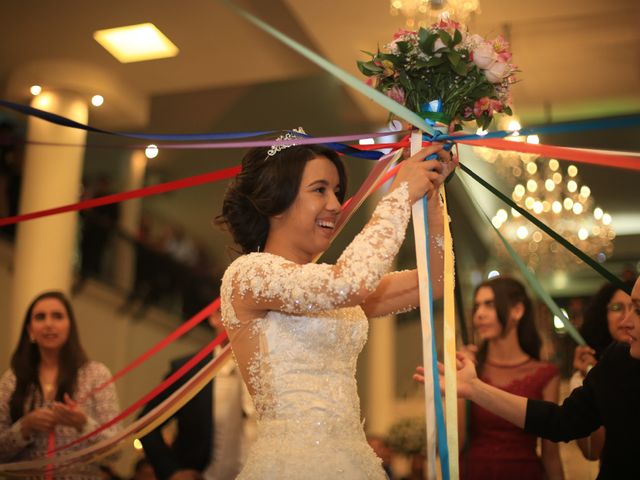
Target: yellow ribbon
[{"x": 450, "y": 370}]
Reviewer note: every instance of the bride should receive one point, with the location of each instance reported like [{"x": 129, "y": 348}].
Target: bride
[{"x": 296, "y": 327}]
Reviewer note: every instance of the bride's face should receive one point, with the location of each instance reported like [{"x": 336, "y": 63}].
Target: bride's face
[{"x": 308, "y": 224}]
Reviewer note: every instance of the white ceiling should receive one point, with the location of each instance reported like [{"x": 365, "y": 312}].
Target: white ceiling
[{"x": 577, "y": 57}]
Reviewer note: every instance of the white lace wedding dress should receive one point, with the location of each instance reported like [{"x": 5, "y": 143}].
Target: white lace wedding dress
[{"x": 299, "y": 362}]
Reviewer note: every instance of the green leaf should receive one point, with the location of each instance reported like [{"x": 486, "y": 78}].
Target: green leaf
[
  {"x": 368, "y": 53},
  {"x": 395, "y": 59},
  {"x": 457, "y": 37},
  {"x": 369, "y": 68},
  {"x": 460, "y": 68},
  {"x": 405, "y": 81},
  {"x": 508, "y": 110},
  {"x": 426, "y": 43},
  {"x": 446, "y": 38},
  {"x": 454, "y": 58},
  {"x": 435, "y": 61},
  {"x": 404, "y": 47}
]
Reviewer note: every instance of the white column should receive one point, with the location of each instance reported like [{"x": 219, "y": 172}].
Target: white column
[{"x": 44, "y": 248}]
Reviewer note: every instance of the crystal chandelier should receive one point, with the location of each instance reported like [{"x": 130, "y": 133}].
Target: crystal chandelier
[
  {"x": 556, "y": 196},
  {"x": 422, "y": 13}
]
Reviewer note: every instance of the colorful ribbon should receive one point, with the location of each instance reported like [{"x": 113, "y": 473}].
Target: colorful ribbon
[
  {"x": 526, "y": 273},
  {"x": 419, "y": 221},
  {"x": 450, "y": 363},
  {"x": 610, "y": 277}
]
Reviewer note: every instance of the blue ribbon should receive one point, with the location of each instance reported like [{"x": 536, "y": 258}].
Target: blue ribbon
[
  {"x": 66, "y": 122},
  {"x": 443, "y": 447},
  {"x": 578, "y": 126}
]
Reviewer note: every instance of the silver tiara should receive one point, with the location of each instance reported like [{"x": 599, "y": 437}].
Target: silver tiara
[{"x": 282, "y": 138}]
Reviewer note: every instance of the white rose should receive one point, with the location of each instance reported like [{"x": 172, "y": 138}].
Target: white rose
[
  {"x": 484, "y": 56},
  {"x": 475, "y": 40},
  {"x": 438, "y": 45},
  {"x": 497, "y": 72}
]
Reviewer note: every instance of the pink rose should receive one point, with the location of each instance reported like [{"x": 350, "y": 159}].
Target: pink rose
[
  {"x": 397, "y": 94},
  {"x": 497, "y": 72},
  {"x": 484, "y": 56},
  {"x": 467, "y": 114},
  {"x": 448, "y": 25},
  {"x": 371, "y": 81},
  {"x": 501, "y": 47},
  {"x": 482, "y": 105},
  {"x": 401, "y": 33},
  {"x": 496, "y": 105},
  {"x": 500, "y": 44},
  {"x": 504, "y": 57}
]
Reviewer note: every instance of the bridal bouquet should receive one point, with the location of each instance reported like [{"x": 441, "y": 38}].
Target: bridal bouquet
[{"x": 467, "y": 76}]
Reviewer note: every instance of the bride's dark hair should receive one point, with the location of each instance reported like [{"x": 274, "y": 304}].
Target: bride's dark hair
[{"x": 266, "y": 186}]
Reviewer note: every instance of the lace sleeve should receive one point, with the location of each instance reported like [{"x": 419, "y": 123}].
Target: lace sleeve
[
  {"x": 11, "y": 440},
  {"x": 275, "y": 283},
  {"x": 101, "y": 407}
]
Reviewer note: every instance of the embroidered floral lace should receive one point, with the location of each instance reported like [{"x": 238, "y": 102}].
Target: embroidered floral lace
[
  {"x": 99, "y": 409},
  {"x": 299, "y": 360}
]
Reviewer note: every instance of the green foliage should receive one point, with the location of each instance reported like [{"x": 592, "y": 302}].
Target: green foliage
[{"x": 437, "y": 63}]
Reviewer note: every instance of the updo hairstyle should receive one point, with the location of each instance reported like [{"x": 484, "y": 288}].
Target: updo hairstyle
[{"x": 267, "y": 186}]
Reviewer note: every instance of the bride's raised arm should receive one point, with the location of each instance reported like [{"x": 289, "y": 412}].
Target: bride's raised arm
[{"x": 271, "y": 282}]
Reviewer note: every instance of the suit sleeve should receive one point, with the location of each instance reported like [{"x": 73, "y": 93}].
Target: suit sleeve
[
  {"x": 577, "y": 417},
  {"x": 163, "y": 459}
]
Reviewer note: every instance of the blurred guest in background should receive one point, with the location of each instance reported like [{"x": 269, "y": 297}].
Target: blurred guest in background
[{"x": 39, "y": 395}]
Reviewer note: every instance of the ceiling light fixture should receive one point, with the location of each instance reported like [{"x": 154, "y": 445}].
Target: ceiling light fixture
[
  {"x": 136, "y": 43},
  {"x": 422, "y": 13},
  {"x": 97, "y": 100},
  {"x": 560, "y": 200}
]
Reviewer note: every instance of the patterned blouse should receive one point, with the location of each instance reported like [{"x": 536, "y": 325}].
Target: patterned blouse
[{"x": 99, "y": 409}]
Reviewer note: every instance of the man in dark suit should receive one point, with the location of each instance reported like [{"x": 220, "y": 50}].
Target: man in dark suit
[{"x": 214, "y": 427}]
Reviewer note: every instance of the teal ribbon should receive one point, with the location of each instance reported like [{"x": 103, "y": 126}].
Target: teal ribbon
[
  {"x": 610, "y": 277},
  {"x": 381, "y": 99},
  {"x": 531, "y": 279},
  {"x": 443, "y": 447}
]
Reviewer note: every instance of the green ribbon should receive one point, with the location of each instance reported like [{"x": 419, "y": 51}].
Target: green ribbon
[
  {"x": 610, "y": 277},
  {"x": 531, "y": 279},
  {"x": 436, "y": 117},
  {"x": 381, "y": 99}
]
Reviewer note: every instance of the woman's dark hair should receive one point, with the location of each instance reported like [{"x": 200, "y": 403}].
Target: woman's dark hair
[
  {"x": 595, "y": 327},
  {"x": 26, "y": 360},
  {"x": 266, "y": 186},
  {"x": 507, "y": 293}
]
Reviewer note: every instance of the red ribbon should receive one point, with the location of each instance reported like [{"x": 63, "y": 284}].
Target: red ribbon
[
  {"x": 626, "y": 162},
  {"x": 177, "y": 333},
  {"x": 166, "y": 383},
  {"x": 129, "y": 195},
  {"x": 51, "y": 447}
]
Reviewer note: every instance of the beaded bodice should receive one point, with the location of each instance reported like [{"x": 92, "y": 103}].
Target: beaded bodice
[{"x": 299, "y": 358}]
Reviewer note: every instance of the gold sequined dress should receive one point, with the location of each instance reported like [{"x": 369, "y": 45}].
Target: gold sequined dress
[{"x": 299, "y": 361}]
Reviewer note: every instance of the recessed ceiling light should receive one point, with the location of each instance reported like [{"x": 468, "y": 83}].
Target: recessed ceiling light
[
  {"x": 97, "y": 100},
  {"x": 136, "y": 43},
  {"x": 151, "y": 151}
]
